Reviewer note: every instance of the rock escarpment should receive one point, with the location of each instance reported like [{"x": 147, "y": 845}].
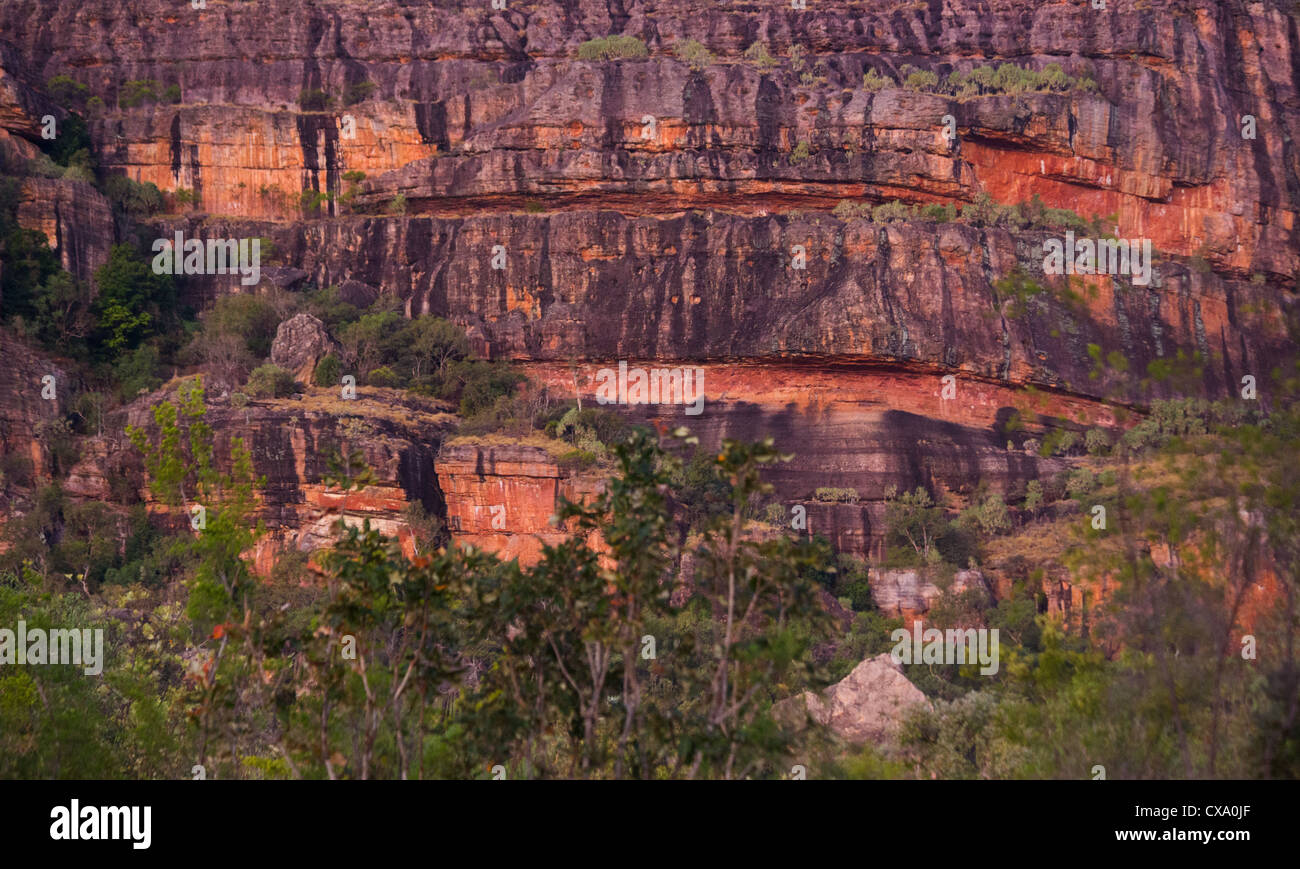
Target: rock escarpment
[{"x": 668, "y": 211}]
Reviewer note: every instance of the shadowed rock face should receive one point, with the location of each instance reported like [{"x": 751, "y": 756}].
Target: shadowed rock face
[
  {"x": 646, "y": 210},
  {"x": 296, "y": 443},
  {"x": 473, "y": 107}
]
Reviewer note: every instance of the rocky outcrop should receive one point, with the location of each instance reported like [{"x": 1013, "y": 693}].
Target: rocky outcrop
[
  {"x": 76, "y": 220},
  {"x": 575, "y": 213},
  {"x": 33, "y": 394},
  {"x": 502, "y": 497},
  {"x": 461, "y": 106},
  {"x": 868, "y": 705},
  {"x": 297, "y": 445},
  {"x": 300, "y": 343},
  {"x": 908, "y": 594}
]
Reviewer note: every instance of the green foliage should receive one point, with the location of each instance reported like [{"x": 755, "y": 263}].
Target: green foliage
[
  {"x": 801, "y": 152},
  {"x": 693, "y": 53},
  {"x": 67, "y": 92},
  {"x": 137, "y": 92},
  {"x": 1097, "y": 442},
  {"x": 829, "y": 493},
  {"x": 1180, "y": 418},
  {"x": 1006, "y": 78},
  {"x": 135, "y": 199},
  {"x": 919, "y": 534},
  {"x": 758, "y": 55},
  {"x": 133, "y": 304},
  {"x": 987, "y": 517},
  {"x": 357, "y": 92},
  {"x": 398, "y": 205},
  {"x": 613, "y": 48},
  {"x": 72, "y": 147},
  {"x": 891, "y": 212},
  {"x": 919, "y": 79},
  {"x": 270, "y": 381},
  {"x": 328, "y": 371},
  {"x": 249, "y": 317},
  {"x": 846, "y": 209},
  {"x": 1033, "y": 495},
  {"x": 312, "y": 201},
  {"x": 874, "y": 81},
  {"x": 314, "y": 100},
  {"x": 382, "y": 376}
]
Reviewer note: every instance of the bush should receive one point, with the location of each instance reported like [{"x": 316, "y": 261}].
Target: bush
[
  {"x": 138, "y": 91},
  {"x": 137, "y": 200},
  {"x": 1033, "y": 495},
  {"x": 845, "y": 209},
  {"x": 1096, "y": 442},
  {"x": 328, "y": 371},
  {"x": 919, "y": 79},
  {"x": 383, "y": 376},
  {"x": 1080, "y": 483},
  {"x": 613, "y": 48},
  {"x": 829, "y": 493},
  {"x": 357, "y": 92},
  {"x": 874, "y": 81},
  {"x": 313, "y": 100},
  {"x": 577, "y": 460},
  {"x": 66, "y": 91},
  {"x": 988, "y": 517},
  {"x": 758, "y": 55},
  {"x": 802, "y": 151},
  {"x": 607, "y": 426},
  {"x": 249, "y": 317},
  {"x": 311, "y": 201},
  {"x": 939, "y": 213},
  {"x": 398, "y": 205},
  {"x": 269, "y": 381},
  {"x": 478, "y": 384},
  {"x": 891, "y": 212},
  {"x": 693, "y": 53},
  {"x": 172, "y": 94}
]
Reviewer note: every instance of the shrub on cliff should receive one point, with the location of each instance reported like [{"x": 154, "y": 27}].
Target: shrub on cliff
[
  {"x": 694, "y": 53},
  {"x": 136, "y": 199},
  {"x": 328, "y": 371},
  {"x": 758, "y": 55},
  {"x": 269, "y": 381},
  {"x": 357, "y": 92},
  {"x": 138, "y": 91},
  {"x": 613, "y": 48},
  {"x": 874, "y": 81},
  {"x": 313, "y": 100},
  {"x": 67, "y": 91}
]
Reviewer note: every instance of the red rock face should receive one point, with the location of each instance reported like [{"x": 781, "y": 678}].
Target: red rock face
[
  {"x": 503, "y": 498},
  {"x": 651, "y": 211},
  {"x": 292, "y": 442}
]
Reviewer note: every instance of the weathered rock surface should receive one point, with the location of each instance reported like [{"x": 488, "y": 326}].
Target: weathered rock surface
[
  {"x": 868, "y": 705},
  {"x": 501, "y": 498},
  {"x": 648, "y": 210},
  {"x": 909, "y": 593},
  {"x": 24, "y": 410},
  {"x": 292, "y": 443},
  {"x": 300, "y": 343}
]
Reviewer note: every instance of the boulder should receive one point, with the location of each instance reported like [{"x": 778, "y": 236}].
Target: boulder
[
  {"x": 868, "y": 705},
  {"x": 300, "y": 343}
]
